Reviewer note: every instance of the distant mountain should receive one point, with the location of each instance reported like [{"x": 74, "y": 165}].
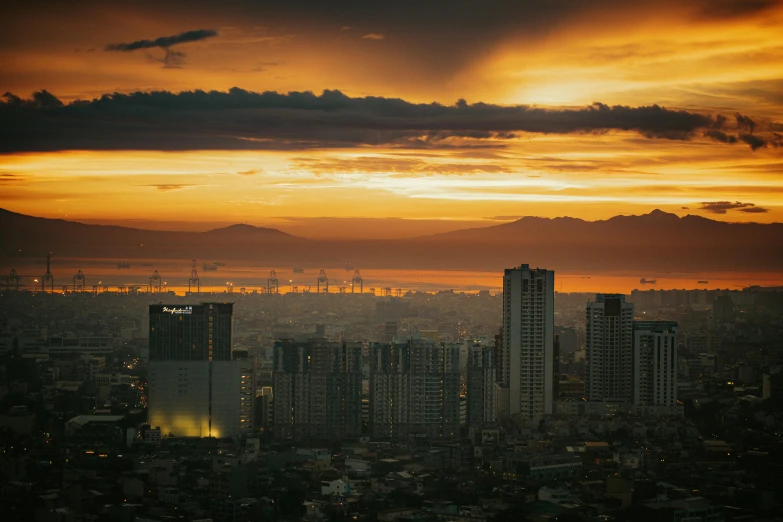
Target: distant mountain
[
  {"x": 657, "y": 242},
  {"x": 33, "y": 236}
]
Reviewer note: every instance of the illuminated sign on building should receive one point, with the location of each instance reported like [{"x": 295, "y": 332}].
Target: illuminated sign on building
[{"x": 188, "y": 310}]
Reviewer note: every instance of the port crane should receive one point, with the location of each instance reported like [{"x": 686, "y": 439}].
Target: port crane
[
  {"x": 272, "y": 283},
  {"x": 323, "y": 281}
]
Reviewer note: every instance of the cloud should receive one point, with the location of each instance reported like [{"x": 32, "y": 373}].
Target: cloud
[
  {"x": 721, "y": 207},
  {"x": 164, "y": 42},
  {"x": 10, "y": 177},
  {"x": 249, "y": 172},
  {"x": 754, "y": 141},
  {"x": 745, "y": 123},
  {"x": 240, "y": 119},
  {"x": 735, "y": 8},
  {"x": 754, "y": 210},
  {"x": 373, "y": 36},
  {"x": 171, "y": 59},
  {"x": 720, "y": 136},
  {"x": 167, "y": 187},
  {"x": 505, "y": 218},
  {"x": 393, "y": 165}
]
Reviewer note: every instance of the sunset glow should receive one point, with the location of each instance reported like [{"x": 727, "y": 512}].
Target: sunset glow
[{"x": 714, "y": 59}]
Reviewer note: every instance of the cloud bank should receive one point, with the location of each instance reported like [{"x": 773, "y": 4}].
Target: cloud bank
[
  {"x": 721, "y": 207},
  {"x": 239, "y": 119}
]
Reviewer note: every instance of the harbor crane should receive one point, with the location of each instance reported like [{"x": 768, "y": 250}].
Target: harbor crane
[
  {"x": 193, "y": 281},
  {"x": 323, "y": 282},
  {"x": 156, "y": 284},
  {"x": 79, "y": 283},
  {"x": 12, "y": 280},
  {"x": 357, "y": 280},
  {"x": 48, "y": 278},
  {"x": 272, "y": 283}
]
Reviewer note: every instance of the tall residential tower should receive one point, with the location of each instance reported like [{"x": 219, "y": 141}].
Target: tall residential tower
[
  {"x": 655, "y": 364},
  {"x": 609, "y": 349},
  {"x": 528, "y": 361}
]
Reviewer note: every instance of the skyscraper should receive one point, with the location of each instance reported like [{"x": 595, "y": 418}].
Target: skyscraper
[
  {"x": 317, "y": 387},
  {"x": 414, "y": 389},
  {"x": 609, "y": 349},
  {"x": 528, "y": 362},
  {"x": 481, "y": 377},
  {"x": 655, "y": 363},
  {"x": 191, "y": 332},
  {"x": 195, "y": 388}
]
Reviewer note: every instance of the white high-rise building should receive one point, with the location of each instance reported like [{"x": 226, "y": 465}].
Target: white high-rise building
[
  {"x": 609, "y": 349},
  {"x": 655, "y": 363},
  {"x": 528, "y": 365}
]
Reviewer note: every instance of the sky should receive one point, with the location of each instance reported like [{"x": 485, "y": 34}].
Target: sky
[{"x": 331, "y": 119}]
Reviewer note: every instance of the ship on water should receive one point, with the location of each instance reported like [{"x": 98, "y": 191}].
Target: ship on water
[
  {"x": 298, "y": 270},
  {"x": 645, "y": 281}
]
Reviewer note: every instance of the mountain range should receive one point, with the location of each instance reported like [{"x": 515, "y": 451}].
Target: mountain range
[{"x": 656, "y": 241}]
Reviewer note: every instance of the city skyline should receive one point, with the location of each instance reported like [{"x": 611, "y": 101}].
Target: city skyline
[{"x": 420, "y": 119}]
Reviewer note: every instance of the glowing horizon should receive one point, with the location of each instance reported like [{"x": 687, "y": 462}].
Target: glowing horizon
[{"x": 705, "y": 61}]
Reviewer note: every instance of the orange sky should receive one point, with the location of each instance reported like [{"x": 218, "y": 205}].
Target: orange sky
[{"x": 711, "y": 57}]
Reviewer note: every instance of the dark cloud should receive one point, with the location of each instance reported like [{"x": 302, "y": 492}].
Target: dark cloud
[
  {"x": 437, "y": 38},
  {"x": 734, "y": 8},
  {"x": 164, "y": 42},
  {"x": 171, "y": 59},
  {"x": 721, "y": 207},
  {"x": 249, "y": 172},
  {"x": 745, "y": 123},
  {"x": 754, "y": 210},
  {"x": 720, "y": 136},
  {"x": 754, "y": 141},
  {"x": 40, "y": 100},
  {"x": 239, "y": 119}
]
